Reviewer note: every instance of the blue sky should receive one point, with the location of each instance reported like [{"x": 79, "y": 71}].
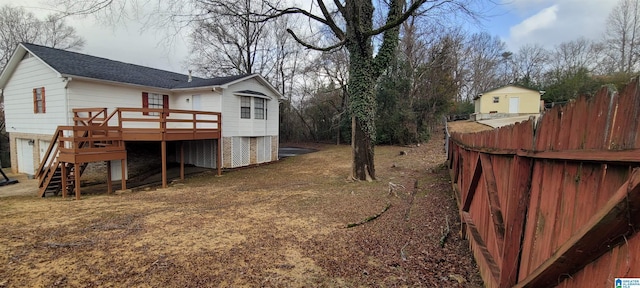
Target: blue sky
[
  {"x": 517, "y": 22},
  {"x": 548, "y": 22}
]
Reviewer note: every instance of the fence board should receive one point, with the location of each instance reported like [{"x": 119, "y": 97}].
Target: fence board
[{"x": 554, "y": 203}]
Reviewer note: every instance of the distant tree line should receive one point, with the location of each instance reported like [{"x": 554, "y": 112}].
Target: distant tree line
[
  {"x": 438, "y": 70},
  {"x": 435, "y": 69}
]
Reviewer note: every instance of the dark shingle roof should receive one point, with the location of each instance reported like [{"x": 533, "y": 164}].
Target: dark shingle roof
[{"x": 77, "y": 64}]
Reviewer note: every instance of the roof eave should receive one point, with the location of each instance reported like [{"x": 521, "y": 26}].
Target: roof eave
[
  {"x": 41, "y": 60},
  {"x": 199, "y": 88},
  {"x": 260, "y": 78},
  {"x": 15, "y": 59},
  {"x": 510, "y": 85},
  {"x": 76, "y": 77},
  {"x": 254, "y": 95}
]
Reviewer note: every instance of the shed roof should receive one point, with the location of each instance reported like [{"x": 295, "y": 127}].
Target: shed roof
[{"x": 501, "y": 87}]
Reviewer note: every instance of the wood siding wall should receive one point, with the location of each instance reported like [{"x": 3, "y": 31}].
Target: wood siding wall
[
  {"x": 554, "y": 203},
  {"x": 18, "y": 99},
  {"x": 233, "y": 125}
]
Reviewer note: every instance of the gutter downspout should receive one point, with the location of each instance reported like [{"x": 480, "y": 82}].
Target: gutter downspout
[{"x": 66, "y": 99}]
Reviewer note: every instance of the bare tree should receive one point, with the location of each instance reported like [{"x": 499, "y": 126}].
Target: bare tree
[
  {"x": 574, "y": 55},
  {"x": 529, "y": 64},
  {"x": 351, "y": 24},
  {"x": 485, "y": 54},
  {"x": 55, "y": 33},
  {"x": 226, "y": 41},
  {"x": 622, "y": 34},
  {"x": 18, "y": 25}
]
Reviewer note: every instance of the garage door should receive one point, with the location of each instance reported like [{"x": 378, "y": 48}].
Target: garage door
[{"x": 25, "y": 156}]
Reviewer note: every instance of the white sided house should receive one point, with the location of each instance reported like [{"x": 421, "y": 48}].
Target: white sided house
[{"x": 91, "y": 108}]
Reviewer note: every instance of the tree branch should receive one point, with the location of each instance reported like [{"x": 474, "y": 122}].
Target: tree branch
[
  {"x": 390, "y": 38},
  {"x": 393, "y": 21},
  {"x": 332, "y": 24},
  {"x": 340, "y": 7},
  {"x": 307, "y": 45},
  {"x": 279, "y": 12}
]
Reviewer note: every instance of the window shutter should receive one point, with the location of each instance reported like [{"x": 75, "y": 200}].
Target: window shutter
[
  {"x": 35, "y": 101},
  {"x": 41, "y": 101},
  {"x": 145, "y": 102},
  {"x": 165, "y": 103},
  {"x": 44, "y": 106}
]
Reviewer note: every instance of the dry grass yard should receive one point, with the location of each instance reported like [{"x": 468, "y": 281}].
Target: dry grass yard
[
  {"x": 277, "y": 225},
  {"x": 467, "y": 126}
]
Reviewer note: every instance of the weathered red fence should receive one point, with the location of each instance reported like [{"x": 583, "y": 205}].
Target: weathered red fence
[{"x": 554, "y": 203}]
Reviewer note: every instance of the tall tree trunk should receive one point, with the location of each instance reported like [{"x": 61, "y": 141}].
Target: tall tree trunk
[
  {"x": 364, "y": 71},
  {"x": 363, "y": 110}
]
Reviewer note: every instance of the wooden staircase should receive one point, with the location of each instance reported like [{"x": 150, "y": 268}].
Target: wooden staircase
[
  {"x": 91, "y": 139},
  {"x": 54, "y": 185}
]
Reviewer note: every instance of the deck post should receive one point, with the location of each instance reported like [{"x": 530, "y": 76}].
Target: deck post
[
  {"x": 123, "y": 167},
  {"x": 109, "y": 187},
  {"x": 164, "y": 163},
  {"x": 76, "y": 176},
  {"x": 219, "y": 152},
  {"x": 181, "y": 160},
  {"x": 63, "y": 174},
  {"x": 219, "y": 156}
]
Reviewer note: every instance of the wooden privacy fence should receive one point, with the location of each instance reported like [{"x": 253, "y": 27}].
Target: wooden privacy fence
[{"x": 557, "y": 202}]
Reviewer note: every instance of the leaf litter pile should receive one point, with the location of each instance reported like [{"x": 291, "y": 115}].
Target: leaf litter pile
[{"x": 294, "y": 223}]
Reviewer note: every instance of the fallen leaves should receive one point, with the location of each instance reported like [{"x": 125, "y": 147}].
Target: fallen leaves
[{"x": 274, "y": 225}]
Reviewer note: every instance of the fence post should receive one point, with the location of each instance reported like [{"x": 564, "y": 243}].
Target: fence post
[{"x": 446, "y": 136}]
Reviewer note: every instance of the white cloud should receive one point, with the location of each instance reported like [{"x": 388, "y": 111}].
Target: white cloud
[
  {"x": 526, "y": 5},
  {"x": 544, "y": 19},
  {"x": 564, "y": 21}
]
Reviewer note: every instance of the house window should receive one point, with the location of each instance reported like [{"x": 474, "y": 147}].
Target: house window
[
  {"x": 38, "y": 100},
  {"x": 154, "y": 101},
  {"x": 496, "y": 99},
  {"x": 259, "y": 108},
  {"x": 245, "y": 107}
]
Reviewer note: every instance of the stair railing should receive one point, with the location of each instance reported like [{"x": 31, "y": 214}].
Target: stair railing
[{"x": 47, "y": 155}]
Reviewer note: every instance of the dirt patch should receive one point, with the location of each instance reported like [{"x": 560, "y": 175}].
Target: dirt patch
[
  {"x": 24, "y": 187},
  {"x": 277, "y": 225},
  {"x": 467, "y": 126}
]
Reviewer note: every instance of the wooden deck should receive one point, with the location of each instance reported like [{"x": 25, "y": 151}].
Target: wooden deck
[{"x": 98, "y": 136}]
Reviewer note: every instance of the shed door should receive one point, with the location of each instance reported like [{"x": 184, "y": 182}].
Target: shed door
[
  {"x": 513, "y": 104},
  {"x": 25, "y": 156}
]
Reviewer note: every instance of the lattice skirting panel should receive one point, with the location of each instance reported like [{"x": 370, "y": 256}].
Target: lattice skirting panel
[
  {"x": 201, "y": 153},
  {"x": 248, "y": 150}
]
